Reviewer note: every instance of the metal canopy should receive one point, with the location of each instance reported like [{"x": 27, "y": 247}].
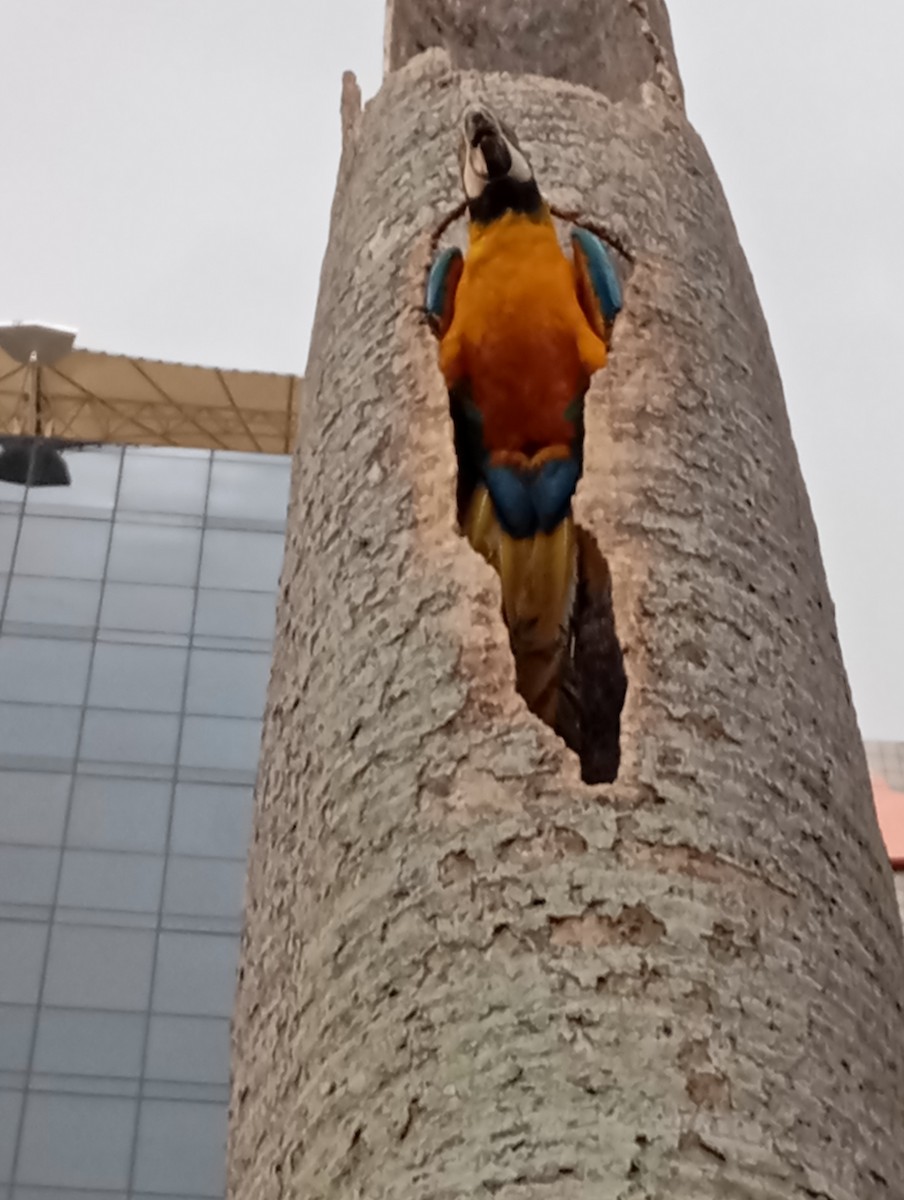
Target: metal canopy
[{"x": 49, "y": 389}]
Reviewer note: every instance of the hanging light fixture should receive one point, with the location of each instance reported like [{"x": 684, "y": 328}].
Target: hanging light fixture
[{"x": 33, "y": 462}]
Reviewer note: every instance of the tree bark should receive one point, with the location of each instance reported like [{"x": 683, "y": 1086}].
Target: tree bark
[{"x": 465, "y": 972}]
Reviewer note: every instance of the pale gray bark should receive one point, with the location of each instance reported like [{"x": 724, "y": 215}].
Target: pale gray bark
[
  {"x": 611, "y": 47},
  {"x": 464, "y": 972}
]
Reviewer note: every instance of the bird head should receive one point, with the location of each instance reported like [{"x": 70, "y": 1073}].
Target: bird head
[{"x": 495, "y": 172}]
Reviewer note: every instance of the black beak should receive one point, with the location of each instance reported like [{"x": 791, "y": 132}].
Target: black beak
[
  {"x": 479, "y": 123},
  {"x": 482, "y": 132}
]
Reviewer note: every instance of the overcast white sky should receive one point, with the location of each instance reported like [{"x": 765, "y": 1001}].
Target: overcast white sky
[{"x": 168, "y": 167}]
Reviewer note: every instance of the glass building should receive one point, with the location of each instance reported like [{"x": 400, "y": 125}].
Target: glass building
[{"x": 136, "y": 624}]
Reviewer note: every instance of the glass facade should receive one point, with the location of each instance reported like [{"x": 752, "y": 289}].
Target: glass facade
[{"x": 136, "y": 625}]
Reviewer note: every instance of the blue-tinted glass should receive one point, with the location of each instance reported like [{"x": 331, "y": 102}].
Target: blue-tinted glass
[
  {"x": 222, "y": 742},
  {"x": 127, "y": 737},
  {"x": 22, "y": 955},
  {"x": 212, "y": 820},
  {"x": 106, "y": 880},
  {"x": 44, "y": 670},
  {"x": 16, "y": 1022},
  {"x": 204, "y": 887},
  {"x": 235, "y": 614},
  {"x": 99, "y": 968},
  {"x": 141, "y": 677},
  {"x": 76, "y": 1141},
  {"x": 168, "y": 453},
  {"x": 109, "y": 813},
  {"x": 12, "y": 495},
  {"x": 138, "y": 607},
  {"x": 225, "y": 683},
  {"x": 53, "y": 601},
  {"x": 77, "y": 1042},
  {"x": 62, "y": 547},
  {"x": 181, "y": 1148},
  {"x": 154, "y": 554},
  {"x": 32, "y": 807},
  {"x": 8, "y": 527},
  {"x": 27, "y": 875},
  {"x": 253, "y": 490},
  {"x": 246, "y": 561},
  {"x": 165, "y": 485},
  {"x": 189, "y": 1049},
  {"x": 10, "y": 1108},
  {"x": 39, "y": 731},
  {"x": 195, "y": 974},
  {"x": 92, "y": 492}
]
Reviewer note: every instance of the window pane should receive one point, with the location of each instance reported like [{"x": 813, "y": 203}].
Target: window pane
[
  {"x": 22, "y": 955},
  {"x": 164, "y": 485},
  {"x": 145, "y": 677},
  {"x": 235, "y": 614},
  {"x": 94, "y": 475},
  {"x": 15, "y": 1035},
  {"x": 136, "y": 606},
  {"x": 71, "y": 1042},
  {"x": 196, "y": 974},
  {"x": 44, "y": 670},
  {"x": 76, "y": 1141},
  {"x": 39, "y": 731},
  {"x": 53, "y": 601},
  {"x": 212, "y": 820},
  {"x": 228, "y": 684},
  {"x": 247, "y": 561},
  {"x": 204, "y": 887},
  {"x": 253, "y": 490},
  {"x": 8, "y": 527},
  {"x": 27, "y": 876},
  {"x": 102, "y": 879},
  {"x": 99, "y": 968},
  {"x": 32, "y": 807},
  {"x": 62, "y": 547},
  {"x": 125, "y": 737},
  {"x": 119, "y": 814},
  {"x": 181, "y": 1148},
  {"x": 154, "y": 554},
  {"x": 10, "y": 1107},
  {"x": 189, "y": 1049},
  {"x": 166, "y": 453},
  {"x": 12, "y": 495},
  {"x": 223, "y": 742}
]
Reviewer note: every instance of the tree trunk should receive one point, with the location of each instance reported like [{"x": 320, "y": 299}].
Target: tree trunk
[{"x": 465, "y": 972}]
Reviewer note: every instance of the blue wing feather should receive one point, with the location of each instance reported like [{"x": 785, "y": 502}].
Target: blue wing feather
[
  {"x": 442, "y": 284},
  {"x": 596, "y": 272}
]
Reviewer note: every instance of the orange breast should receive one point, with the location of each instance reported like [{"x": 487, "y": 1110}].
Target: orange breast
[{"x": 519, "y": 335}]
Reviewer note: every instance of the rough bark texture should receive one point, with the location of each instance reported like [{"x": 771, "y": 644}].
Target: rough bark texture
[
  {"x": 464, "y": 972},
  {"x": 612, "y": 47}
]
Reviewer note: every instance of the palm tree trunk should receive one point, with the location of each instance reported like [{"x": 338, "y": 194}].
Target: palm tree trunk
[{"x": 465, "y": 972}]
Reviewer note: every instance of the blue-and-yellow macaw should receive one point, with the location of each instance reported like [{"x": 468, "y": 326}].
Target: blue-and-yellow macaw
[{"x": 521, "y": 330}]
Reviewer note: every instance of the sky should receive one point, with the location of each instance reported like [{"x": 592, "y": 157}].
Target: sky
[{"x": 168, "y": 168}]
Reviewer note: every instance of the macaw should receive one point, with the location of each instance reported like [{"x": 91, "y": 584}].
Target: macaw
[{"x": 521, "y": 330}]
